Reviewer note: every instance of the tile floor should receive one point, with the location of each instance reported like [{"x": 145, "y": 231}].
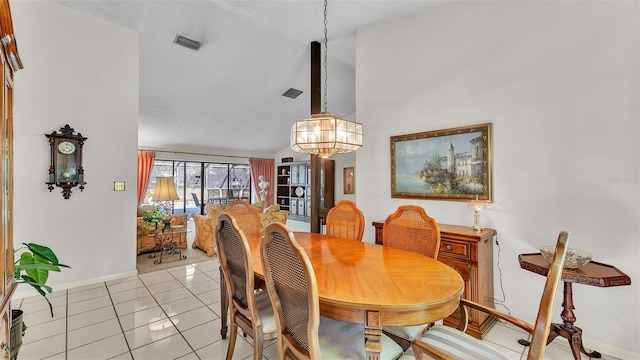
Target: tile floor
[{"x": 165, "y": 314}]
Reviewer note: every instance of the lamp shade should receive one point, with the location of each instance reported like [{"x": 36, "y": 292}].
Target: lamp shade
[
  {"x": 476, "y": 205},
  {"x": 325, "y": 134},
  {"x": 165, "y": 190}
]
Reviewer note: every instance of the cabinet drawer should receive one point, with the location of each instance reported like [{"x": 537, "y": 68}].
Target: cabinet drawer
[{"x": 455, "y": 249}]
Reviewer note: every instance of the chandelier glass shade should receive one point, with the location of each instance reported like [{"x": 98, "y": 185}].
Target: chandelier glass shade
[{"x": 325, "y": 134}]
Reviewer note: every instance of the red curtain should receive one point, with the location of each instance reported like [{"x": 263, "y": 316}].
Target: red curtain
[
  {"x": 266, "y": 168},
  {"x": 145, "y": 165}
]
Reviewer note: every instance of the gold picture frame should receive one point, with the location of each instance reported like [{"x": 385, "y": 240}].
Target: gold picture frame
[
  {"x": 449, "y": 164},
  {"x": 349, "y": 180}
]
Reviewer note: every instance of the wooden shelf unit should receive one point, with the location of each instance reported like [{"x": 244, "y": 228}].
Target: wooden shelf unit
[
  {"x": 291, "y": 177},
  {"x": 471, "y": 254}
]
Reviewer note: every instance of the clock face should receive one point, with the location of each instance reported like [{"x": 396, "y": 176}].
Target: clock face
[{"x": 66, "y": 147}]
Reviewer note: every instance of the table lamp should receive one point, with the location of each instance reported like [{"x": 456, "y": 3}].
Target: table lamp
[
  {"x": 477, "y": 206},
  {"x": 165, "y": 192}
]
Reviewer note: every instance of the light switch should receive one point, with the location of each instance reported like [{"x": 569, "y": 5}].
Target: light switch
[{"x": 118, "y": 186}]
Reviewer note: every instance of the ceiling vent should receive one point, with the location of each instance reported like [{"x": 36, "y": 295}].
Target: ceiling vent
[
  {"x": 292, "y": 93},
  {"x": 188, "y": 43}
]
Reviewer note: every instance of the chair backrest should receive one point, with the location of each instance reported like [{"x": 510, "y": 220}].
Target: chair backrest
[
  {"x": 542, "y": 326},
  {"x": 291, "y": 284},
  {"x": 246, "y": 216},
  {"x": 345, "y": 220},
  {"x": 179, "y": 219},
  {"x": 214, "y": 193},
  {"x": 236, "y": 262},
  {"x": 195, "y": 199},
  {"x": 410, "y": 228},
  {"x": 213, "y": 210}
]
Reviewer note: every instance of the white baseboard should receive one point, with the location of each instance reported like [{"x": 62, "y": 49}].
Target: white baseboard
[{"x": 25, "y": 291}]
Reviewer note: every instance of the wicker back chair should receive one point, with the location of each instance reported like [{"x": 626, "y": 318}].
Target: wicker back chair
[
  {"x": 302, "y": 332},
  {"x": 345, "y": 220},
  {"x": 448, "y": 343},
  {"x": 246, "y": 215},
  {"x": 410, "y": 228},
  {"x": 250, "y": 310}
]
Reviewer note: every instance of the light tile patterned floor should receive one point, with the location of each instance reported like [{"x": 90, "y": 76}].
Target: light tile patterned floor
[{"x": 166, "y": 314}]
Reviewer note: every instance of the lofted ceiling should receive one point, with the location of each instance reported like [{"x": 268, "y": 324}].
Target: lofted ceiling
[{"x": 227, "y": 96}]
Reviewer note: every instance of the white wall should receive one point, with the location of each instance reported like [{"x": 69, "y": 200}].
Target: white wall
[
  {"x": 560, "y": 83},
  {"x": 80, "y": 71}
]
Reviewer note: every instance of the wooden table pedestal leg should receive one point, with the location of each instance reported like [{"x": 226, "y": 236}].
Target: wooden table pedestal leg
[
  {"x": 567, "y": 330},
  {"x": 224, "y": 305},
  {"x": 373, "y": 335}
]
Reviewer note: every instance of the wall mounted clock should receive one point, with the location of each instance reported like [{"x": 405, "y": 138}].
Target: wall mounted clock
[{"x": 66, "y": 169}]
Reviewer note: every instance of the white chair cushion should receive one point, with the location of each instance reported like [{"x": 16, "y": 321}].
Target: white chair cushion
[
  {"x": 459, "y": 345},
  {"x": 409, "y": 333},
  {"x": 265, "y": 311},
  {"x": 345, "y": 340}
]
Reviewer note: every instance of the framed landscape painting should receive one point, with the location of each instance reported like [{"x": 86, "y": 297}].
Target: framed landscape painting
[{"x": 449, "y": 164}]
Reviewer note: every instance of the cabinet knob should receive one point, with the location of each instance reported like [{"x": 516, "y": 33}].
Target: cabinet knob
[
  {"x": 448, "y": 247},
  {"x": 5, "y": 349}
]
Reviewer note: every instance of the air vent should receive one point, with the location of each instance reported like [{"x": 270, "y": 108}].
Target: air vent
[
  {"x": 292, "y": 93},
  {"x": 188, "y": 43}
]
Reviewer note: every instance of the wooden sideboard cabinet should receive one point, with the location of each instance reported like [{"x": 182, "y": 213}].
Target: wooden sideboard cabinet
[{"x": 471, "y": 254}]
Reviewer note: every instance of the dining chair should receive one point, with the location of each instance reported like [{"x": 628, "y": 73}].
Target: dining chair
[
  {"x": 444, "y": 342},
  {"x": 214, "y": 195},
  {"x": 410, "y": 228},
  {"x": 249, "y": 310},
  {"x": 345, "y": 220},
  {"x": 246, "y": 216},
  {"x": 302, "y": 332}
]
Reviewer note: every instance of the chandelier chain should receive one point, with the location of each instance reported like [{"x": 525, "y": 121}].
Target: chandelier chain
[
  {"x": 325, "y": 134},
  {"x": 326, "y": 45}
]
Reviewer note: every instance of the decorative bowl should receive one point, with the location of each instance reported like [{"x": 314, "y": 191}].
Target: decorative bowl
[{"x": 573, "y": 260}]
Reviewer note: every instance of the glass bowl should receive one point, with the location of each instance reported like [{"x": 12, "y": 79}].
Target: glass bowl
[{"x": 573, "y": 260}]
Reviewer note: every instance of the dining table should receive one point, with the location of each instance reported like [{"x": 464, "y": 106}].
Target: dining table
[{"x": 369, "y": 284}]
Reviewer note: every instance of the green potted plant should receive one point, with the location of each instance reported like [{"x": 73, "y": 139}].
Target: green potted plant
[
  {"x": 151, "y": 219},
  {"x": 32, "y": 267}
]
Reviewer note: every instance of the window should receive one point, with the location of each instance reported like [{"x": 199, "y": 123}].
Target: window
[{"x": 197, "y": 181}]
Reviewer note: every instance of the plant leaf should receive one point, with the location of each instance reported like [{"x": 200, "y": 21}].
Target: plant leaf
[
  {"x": 43, "y": 251},
  {"x": 34, "y": 267},
  {"x": 43, "y": 254},
  {"x": 25, "y": 267}
]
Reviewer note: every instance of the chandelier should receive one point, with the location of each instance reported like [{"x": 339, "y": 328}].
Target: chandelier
[{"x": 325, "y": 134}]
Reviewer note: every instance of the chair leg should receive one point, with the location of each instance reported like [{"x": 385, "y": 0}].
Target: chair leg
[
  {"x": 233, "y": 328},
  {"x": 258, "y": 345}
]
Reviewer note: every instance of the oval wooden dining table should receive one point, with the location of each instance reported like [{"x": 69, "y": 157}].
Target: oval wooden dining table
[{"x": 370, "y": 284}]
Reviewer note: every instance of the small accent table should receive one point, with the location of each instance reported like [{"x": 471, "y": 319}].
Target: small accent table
[
  {"x": 165, "y": 241},
  {"x": 594, "y": 274}
]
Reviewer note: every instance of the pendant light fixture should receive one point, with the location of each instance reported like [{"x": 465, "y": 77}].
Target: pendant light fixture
[{"x": 325, "y": 134}]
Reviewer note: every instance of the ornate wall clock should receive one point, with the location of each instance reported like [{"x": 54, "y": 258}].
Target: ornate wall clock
[{"x": 66, "y": 170}]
